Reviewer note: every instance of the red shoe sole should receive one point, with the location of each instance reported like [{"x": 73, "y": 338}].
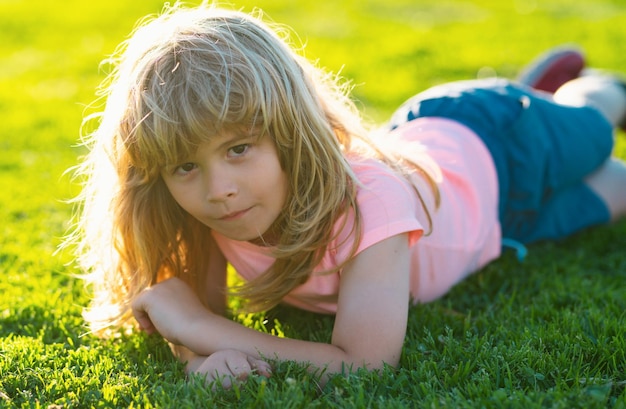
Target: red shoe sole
[{"x": 549, "y": 72}]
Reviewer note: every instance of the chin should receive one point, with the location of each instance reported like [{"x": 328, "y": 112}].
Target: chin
[{"x": 251, "y": 238}]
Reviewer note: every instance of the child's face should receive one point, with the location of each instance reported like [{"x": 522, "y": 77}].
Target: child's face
[{"x": 233, "y": 184}]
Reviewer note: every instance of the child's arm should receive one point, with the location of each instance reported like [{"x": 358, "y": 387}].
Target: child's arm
[
  {"x": 223, "y": 364},
  {"x": 369, "y": 328}
]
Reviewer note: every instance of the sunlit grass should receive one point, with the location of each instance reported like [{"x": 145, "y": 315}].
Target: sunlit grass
[{"x": 544, "y": 333}]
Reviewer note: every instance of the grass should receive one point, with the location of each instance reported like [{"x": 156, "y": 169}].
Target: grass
[{"x": 548, "y": 332}]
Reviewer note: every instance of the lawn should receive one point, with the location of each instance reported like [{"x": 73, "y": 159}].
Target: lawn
[{"x": 548, "y": 332}]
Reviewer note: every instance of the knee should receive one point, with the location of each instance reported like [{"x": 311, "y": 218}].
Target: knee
[{"x": 603, "y": 92}]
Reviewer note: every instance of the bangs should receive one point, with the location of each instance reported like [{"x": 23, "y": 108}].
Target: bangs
[{"x": 197, "y": 88}]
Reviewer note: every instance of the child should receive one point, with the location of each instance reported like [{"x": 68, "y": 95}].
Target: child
[{"x": 219, "y": 144}]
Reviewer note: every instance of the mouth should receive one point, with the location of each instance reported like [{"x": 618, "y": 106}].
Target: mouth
[{"x": 234, "y": 215}]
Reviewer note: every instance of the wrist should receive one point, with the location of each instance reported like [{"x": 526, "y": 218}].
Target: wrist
[{"x": 194, "y": 363}]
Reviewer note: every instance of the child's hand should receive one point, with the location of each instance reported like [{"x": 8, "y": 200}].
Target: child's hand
[
  {"x": 169, "y": 308},
  {"x": 228, "y": 366}
]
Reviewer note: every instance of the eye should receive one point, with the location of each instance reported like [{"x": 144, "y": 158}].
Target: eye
[
  {"x": 185, "y": 168},
  {"x": 238, "y": 150}
]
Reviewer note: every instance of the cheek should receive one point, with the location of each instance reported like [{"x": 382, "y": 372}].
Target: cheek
[
  {"x": 276, "y": 177},
  {"x": 177, "y": 193}
]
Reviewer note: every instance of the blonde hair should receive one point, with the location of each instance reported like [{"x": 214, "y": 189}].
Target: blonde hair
[{"x": 180, "y": 79}]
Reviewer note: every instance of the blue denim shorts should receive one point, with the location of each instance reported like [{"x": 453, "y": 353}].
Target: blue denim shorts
[{"x": 542, "y": 152}]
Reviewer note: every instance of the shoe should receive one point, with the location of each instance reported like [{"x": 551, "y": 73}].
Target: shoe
[{"x": 553, "y": 68}]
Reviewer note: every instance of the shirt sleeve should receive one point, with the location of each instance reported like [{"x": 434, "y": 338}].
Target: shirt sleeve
[{"x": 388, "y": 206}]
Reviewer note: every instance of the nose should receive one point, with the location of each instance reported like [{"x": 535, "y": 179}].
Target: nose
[{"x": 220, "y": 185}]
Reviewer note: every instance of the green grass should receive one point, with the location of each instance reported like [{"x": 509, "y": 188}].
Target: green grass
[{"x": 548, "y": 332}]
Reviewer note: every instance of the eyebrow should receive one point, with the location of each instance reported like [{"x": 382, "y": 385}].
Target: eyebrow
[{"x": 234, "y": 137}]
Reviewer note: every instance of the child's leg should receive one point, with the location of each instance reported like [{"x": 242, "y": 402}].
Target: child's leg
[
  {"x": 606, "y": 93},
  {"x": 609, "y": 97},
  {"x": 609, "y": 183},
  {"x": 543, "y": 151}
]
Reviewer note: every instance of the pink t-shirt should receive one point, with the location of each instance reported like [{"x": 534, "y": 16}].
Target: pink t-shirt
[{"x": 465, "y": 228}]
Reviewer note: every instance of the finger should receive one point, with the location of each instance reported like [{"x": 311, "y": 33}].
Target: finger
[
  {"x": 211, "y": 377},
  {"x": 226, "y": 381},
  {"x": 215, "y": 381},
  {"x": 145, "y": 324},
  {"x": 142, "y": 317},
  {"x": 239, "y": 367},
  {"x": 260, "y": 367},
  {"x": 221, "y": 379}
]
